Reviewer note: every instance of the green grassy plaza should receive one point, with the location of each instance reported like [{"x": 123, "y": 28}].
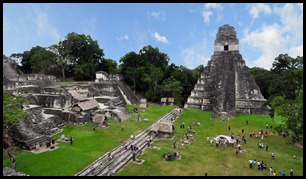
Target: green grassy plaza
[{"x": 198, "y": 158}]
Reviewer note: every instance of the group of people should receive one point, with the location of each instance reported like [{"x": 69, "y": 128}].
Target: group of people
[{"x": 260, "y": 165}]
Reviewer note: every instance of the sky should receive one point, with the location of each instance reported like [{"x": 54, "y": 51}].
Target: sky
[{"x": 186, "y": 32}]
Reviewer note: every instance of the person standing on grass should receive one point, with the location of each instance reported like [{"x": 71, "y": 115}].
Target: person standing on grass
[
  {"x": 284, "y": 173},
  {"x": 267, "y": 146},
  {"x": 271, "y": 171},
  {"x": 291, "y": 172},
  {"x": 272, "y": 154},
  {"x": 71, "y": 140},
  {"x": 251, "y": 163}
]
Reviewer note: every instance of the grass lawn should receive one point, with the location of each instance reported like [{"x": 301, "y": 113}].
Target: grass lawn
[
  {"x": 200, "y": 157},
  {"x": 88, "y": 145},
  {"x": 197, "y": 159}
]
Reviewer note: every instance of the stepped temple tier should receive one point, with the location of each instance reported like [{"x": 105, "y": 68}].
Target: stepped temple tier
[{"x": 226, "y": 86}]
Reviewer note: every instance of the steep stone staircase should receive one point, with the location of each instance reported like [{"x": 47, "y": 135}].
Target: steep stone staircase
[{"x": 128, "y": 92}]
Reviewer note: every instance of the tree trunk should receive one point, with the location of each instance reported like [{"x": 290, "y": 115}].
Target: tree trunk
[{"x": 63, "y": 72}]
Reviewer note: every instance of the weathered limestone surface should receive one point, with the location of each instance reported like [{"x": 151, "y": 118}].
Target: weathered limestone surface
[{"x": 226, "y": 86}]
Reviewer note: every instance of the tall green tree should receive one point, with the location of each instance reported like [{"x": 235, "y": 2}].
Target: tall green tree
[
  {"x": 64, "y": 58},
  {"x": 83, "y": 53},
  {"x": 172, "y": 87},
  {"x": 263, "y": 79},
  {"x": 285, "y": 62},
  {"x": 109, "y": 66},
  {"x": 12, "y": 110},
  {"x": 154, "y": 57}
]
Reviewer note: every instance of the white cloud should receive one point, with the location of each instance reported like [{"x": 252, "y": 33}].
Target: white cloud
[
  {"x": 212, "y": 6},
  {"x": 210, "y": 9},
  {"x": 196, "y": 54},
  {"x": 285, "y": 37},
  {"x": 160, "y": 38},
  {"x": 269, "y": 41},
  {"x": 296, "y": 51},
  {"x": 157, "y": 15},
  {"x": 256, "y": 9},
  {"x": 292, "y": 18},
  {"x": 193, "y": 58},
  {"x": 206, "y": 15},
  {"x": 124, "y": 37},
  {"x": 43, "y": 26}
]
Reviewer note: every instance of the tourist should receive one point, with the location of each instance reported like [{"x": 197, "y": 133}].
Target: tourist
[
  {"x": 132, "y": 137},
  {"x": 122, "y": 129},
  {"x": 274, "y": 173},
  {"x": 267, "y": 125},
  {"x": 238, "y": 145},
  {"x": 263, "y": 166},
  {"x": 211, "y": 142},
  {"x": 254, "y": 162},
  {"x": 138, "y": 117},
  {"x": 109, "y": 156},
  {"x": 229, "y": 127},
  {"x": 291, "y": 172},
  {"x": 271, "y": 128},
  {"x": 148, "y": 142},
  {"x": 258, "y": 165},
  {"x": 217, "y": 142},
  {"x": 284, "y": 173},
  {"x": 247, "y": 122},
  {"x": 294, "y": 156},
  {"x": 271, "y": 171},
  {"x": 71, "y": 140},
  {"x": 266, "y": 134},
  {"x": 125, "y": 145},
  {"x": 242, "y": 131},
  {"x": 121, "y": 140},
  {"x": 94, "y": 127},
  {"x": 244, "y": 139},
  {"x": 272, "y": 154},
  {"x": 251, "y": 163},
  {"x": 267, "y": 146}
]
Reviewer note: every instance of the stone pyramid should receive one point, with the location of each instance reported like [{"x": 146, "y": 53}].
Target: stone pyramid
[{"x": 226, "y": 86}]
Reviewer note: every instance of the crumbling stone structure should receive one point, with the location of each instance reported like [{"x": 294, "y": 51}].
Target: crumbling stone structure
[{"x": 226, "y": 85}]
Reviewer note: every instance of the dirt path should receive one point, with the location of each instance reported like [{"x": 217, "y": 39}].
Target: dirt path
[{"x": 299, "y": 145}]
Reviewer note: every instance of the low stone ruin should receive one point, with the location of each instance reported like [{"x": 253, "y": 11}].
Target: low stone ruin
[
  {"x": 172, "y": 156},
  {"x": 11, "y": 172},
  {"x": 143, "y": 103}
]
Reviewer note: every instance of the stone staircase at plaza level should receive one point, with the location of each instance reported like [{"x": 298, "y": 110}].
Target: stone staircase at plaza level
[{"x": 105, "y": 167}]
